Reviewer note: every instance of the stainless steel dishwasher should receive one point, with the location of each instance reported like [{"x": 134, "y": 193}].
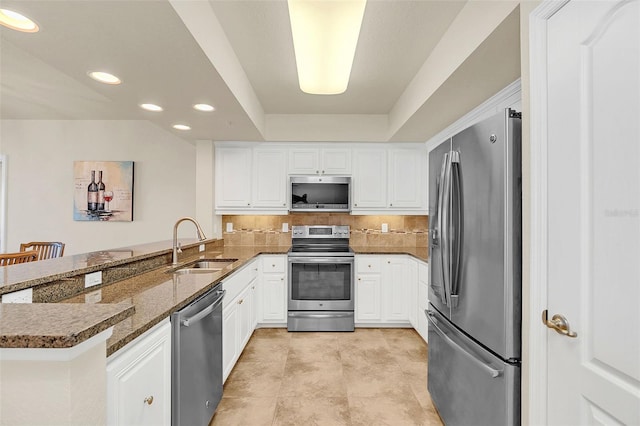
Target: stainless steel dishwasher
[{"x": 196, "y": 363}]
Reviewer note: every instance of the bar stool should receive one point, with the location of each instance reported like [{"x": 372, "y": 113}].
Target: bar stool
[{"x": 45, "y": 249}]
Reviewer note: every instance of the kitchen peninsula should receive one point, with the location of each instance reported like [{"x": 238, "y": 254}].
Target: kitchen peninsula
[{"x": 55, "y": 349}]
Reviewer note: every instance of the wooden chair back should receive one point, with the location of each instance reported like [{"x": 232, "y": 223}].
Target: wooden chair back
[
  {"x": 45, "y": 249},
  {"x": 7, "y": 259}
]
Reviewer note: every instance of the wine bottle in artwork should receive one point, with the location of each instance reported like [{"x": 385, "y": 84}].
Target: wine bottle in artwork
[
  {"x": 100, "y": 192},
  {"x": 92, "y": 193}
]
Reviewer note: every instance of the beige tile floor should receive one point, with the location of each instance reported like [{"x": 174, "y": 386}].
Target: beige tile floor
[{"x": 368, "y": 377}]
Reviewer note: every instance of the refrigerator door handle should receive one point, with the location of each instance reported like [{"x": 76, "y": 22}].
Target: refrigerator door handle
[
  {"x": 445, "y": 221},
  {"x": 432, "y": 322},
  {"x": 456, "y": 193},
  {"x": 439, "y": 233}
]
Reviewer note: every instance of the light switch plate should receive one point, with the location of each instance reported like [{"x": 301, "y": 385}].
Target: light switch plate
[
  {"x": 385, "y": 227},
  {"x": 285, "y": 227},
  {"x": 229, "y": 226},
  {"x": 202, "y": 247},
  {"x": 92, "y": 279}
]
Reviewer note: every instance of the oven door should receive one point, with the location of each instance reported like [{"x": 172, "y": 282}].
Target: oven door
[{"x": 321, "y": 283}]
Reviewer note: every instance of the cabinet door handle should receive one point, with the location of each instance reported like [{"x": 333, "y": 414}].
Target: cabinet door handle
[
  {"x": 281, "y": 279},
  {"x": 359, "y": 279},
  {"x": 390, "y": 204},
  {"x": 148, "y": 400},
  {"x": 240, "y": 301},
  {"x": 317, "y": 171},
  {"x": 323, "y": 172}
]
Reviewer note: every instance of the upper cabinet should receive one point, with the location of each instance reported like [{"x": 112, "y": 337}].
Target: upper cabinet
[
  {"x": 233, "y": 177},
  {"x": 369, "y": 178},
  {"x": 253, "y": 178},
  {"x": 390, "y": 180},
  {"x": 319, "y": 161},
  {"x": 250, "y": 180},
  {"x": 407, "y": 179},
  {"x": 269, "y": 178}
]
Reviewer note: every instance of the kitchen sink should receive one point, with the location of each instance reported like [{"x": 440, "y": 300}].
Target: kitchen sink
[{"x": 203, "y": 266}]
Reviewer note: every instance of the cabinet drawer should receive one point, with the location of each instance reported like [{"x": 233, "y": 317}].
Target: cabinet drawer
[
  {"x": 237, "y": 282},
  {"x": 274, "y": 264},
  {"x": 366, "y": 264}
]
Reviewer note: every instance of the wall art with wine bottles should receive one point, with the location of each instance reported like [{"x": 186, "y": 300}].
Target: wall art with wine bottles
[{"x": 103, "y": 191}]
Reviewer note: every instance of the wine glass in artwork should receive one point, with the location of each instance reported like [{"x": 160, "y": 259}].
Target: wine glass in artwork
[{"x": 108, "y": 196}]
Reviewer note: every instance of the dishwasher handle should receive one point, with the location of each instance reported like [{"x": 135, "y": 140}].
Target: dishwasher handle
[{"x": 206, "y": 311}]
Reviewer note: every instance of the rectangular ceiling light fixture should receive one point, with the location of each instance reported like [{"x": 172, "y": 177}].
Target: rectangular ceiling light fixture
[{"x": 325, "y": 35}]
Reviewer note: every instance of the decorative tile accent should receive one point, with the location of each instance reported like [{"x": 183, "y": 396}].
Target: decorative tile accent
[{"x": 404, "y": 231}]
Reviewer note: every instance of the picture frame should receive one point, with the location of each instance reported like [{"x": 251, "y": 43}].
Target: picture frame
[{"x": 103, "y": 191}]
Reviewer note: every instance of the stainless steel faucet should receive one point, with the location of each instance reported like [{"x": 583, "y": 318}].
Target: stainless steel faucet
[{"x": 176, "y": 246}]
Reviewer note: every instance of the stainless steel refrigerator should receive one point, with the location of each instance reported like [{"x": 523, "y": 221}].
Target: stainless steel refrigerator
[{"x": 475, "y": 264}]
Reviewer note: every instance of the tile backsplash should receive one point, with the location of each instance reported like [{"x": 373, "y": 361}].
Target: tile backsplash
[{"x": 404, "y": 231}]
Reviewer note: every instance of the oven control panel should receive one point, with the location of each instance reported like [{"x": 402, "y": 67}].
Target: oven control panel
[{"x": 320, "y": 231}]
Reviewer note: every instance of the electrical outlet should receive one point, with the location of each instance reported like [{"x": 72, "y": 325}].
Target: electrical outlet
[
  {"x": 385, "y": 227},
  {"x": 20, "y": 296},
  {"x": 93, "y": 297},
  {"x": 92, "y": 279},
  {"x": 202, "y": 247},
  {"x": 285, "y": 227},
  {"x": 229, "y": 227}
]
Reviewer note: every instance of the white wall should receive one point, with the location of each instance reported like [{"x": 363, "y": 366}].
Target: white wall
[{"x": 40, "y": 156}]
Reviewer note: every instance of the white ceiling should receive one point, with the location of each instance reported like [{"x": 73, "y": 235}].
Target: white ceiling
[{"x": 238, "y": 56}]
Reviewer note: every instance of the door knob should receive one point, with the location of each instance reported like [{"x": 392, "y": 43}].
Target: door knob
[{"x": 558, "y": 323}]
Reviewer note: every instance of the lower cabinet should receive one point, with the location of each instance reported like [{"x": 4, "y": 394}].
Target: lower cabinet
[
  {"x": 381, "y": 289},
  {"x": 423, "y": 299},
  {"x": 139, "y": 380},
  {"x": 391, "y": 290},
  {"x": 237, "y": 325},
  {"x": 273, "y": 289}
]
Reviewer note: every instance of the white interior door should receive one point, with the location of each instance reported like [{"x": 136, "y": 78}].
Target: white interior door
[{"x": 593, "y": 251}]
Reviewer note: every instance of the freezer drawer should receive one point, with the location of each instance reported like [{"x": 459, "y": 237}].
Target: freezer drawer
[{"x": 469, "y": 385}]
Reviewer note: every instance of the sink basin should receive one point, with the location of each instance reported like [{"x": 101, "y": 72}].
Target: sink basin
[
  {"x": 203, "y": 266},
  {"x": 210, "y": 264},
  {"x": 182, "y": 271}
]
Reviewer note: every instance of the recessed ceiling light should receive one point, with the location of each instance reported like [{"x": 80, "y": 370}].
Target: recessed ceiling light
[
  {"x": 151, "y": 107},
  {"x": 181, "y": 127},
  {"x": 204, "y": 107},
  {"x": 17, "y": 21},
  {"x": 325, "y": 35},
  {"x": 104, "y": 77}
]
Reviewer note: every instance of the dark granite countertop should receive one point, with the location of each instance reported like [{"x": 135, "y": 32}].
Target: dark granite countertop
[
  {"x": 159, "y": 293},
  {"x": 132, "y": 305}
]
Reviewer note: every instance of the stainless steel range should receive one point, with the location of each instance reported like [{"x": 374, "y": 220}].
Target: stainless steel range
[{"x": 320, "y": 279}]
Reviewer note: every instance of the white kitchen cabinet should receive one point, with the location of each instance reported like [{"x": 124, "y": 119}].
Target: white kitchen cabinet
[
  {"x": 233, "y": 178},
  {"x": 319, "y": 161},
  {"x": 407, "y": 179},
  {"x": 423, "y": 299},
  {"x": 249, "y": 179},
  {"x": 269, "y": 178},
  {"x": 273, "y": 289},
  {"x": 395, "y": 289},
  {"x": 139, "y": 380},
  {"x": 230, "y": 339},
  {"x": 369, "y": 179},
  {"x": 368, "y": 289},
  {"x": 412, "y": 279},
  {"x": 238, "y": 314},
  {"x": 245, "y": 317},
  {"x": 237, "y": 328},
  {"x": 382, "y": 289}
]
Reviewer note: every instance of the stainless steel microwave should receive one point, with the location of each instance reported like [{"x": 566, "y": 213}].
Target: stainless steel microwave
[{"x": 320, "y": 193}]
